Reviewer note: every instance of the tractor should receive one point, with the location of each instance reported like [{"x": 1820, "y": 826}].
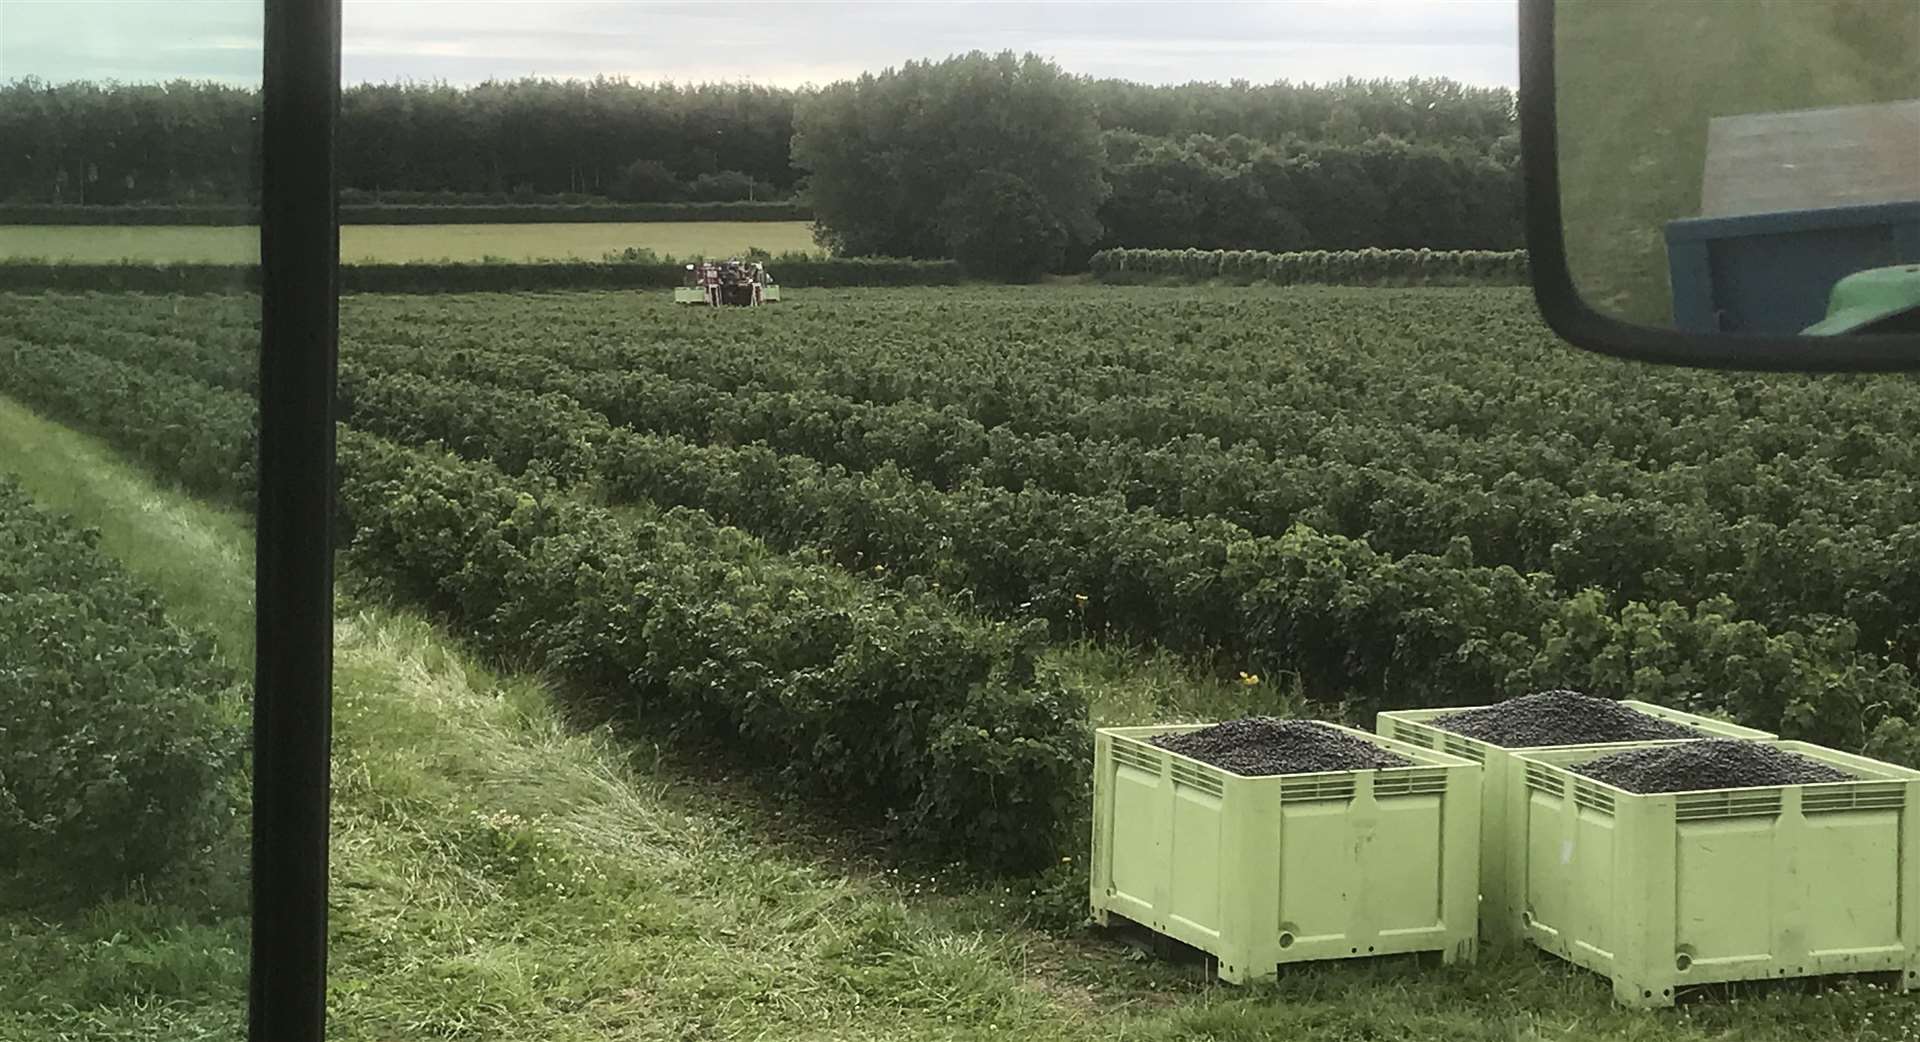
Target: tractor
[{"x": 732, "y": 283}]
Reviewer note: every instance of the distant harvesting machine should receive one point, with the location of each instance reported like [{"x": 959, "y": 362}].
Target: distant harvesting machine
[{"x": 732, "y": 283}]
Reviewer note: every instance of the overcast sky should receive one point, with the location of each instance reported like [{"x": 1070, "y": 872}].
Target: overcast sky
[{"x": 786, "y": 43}]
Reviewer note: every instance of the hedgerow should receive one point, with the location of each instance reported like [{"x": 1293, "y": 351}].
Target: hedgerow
[{"x": 1368, "y": 267}]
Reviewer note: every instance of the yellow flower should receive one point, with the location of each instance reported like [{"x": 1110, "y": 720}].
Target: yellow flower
[
  {"x": 1249, "y": 679},
  {"x": 1080, "y": 598}
]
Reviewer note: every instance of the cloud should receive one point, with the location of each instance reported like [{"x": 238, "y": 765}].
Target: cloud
[
  {"x": 788, "y": 43},
  {"x": 817, "y": 41}
]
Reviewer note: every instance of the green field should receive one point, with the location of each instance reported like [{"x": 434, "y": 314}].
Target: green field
[
  {"x": 642, "y": 688},
  {"x": 401, "y": 242},
  {"x": 1639, "y": 80}
]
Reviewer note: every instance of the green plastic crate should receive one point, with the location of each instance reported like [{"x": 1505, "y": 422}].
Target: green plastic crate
[
  {"x": 1664, "y": 892},
  {"x": 1499, "y": 905},
  {"x": 1261, "y": 871}
]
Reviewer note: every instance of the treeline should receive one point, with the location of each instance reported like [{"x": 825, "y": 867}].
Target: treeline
[
  {"x": 520, "y": 140},
  {"x": 94, "y": 143},
  {"x": 1217, "y": 166},
  {"x": 1238, "y": 193}
]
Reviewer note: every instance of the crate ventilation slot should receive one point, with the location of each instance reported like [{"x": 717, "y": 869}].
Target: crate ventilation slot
[
  {"x": 1854, "y": 797},
  {"x": 1540, "y": 779},
  {"x": 1312, "y": 787},
  {"x": 1730, "y": 804},
  {"x": 1592, "y": 797},
  {"x": 1188, "y": 774},
  {"x": 1419, "y": 736},
  {"x": 1136, "y": 757},
  {"x": 1410, "y": 783},
  {"x": 1464, "y": 748}
]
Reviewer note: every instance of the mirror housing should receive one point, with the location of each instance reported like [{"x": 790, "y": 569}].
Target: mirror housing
[{"x": 1889, "y": 342}]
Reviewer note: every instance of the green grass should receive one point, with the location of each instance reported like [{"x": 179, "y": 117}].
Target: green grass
[
  {"x": 198, "y": 557},
  {"x": 408, "y": 242},
  {"x": 500, "y": 875},
  {"x": 1638, "y": 81}
]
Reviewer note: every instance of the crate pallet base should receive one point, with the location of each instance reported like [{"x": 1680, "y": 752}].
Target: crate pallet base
[
  {"x": 1665, "y": 993},
  {"x": 1231, "y": 973}
]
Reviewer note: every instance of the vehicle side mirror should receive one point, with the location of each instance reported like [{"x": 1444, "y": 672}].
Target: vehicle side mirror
[{"x": 1733, "y": 185}]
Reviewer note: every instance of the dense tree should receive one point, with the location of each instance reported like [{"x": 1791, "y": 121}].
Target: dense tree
[
  {"x": 894, "y": 159},
  {"x": 1001, "y": 227},
  {"x": 646, "y": 181},
  {"x": 88, "y": 143}
]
